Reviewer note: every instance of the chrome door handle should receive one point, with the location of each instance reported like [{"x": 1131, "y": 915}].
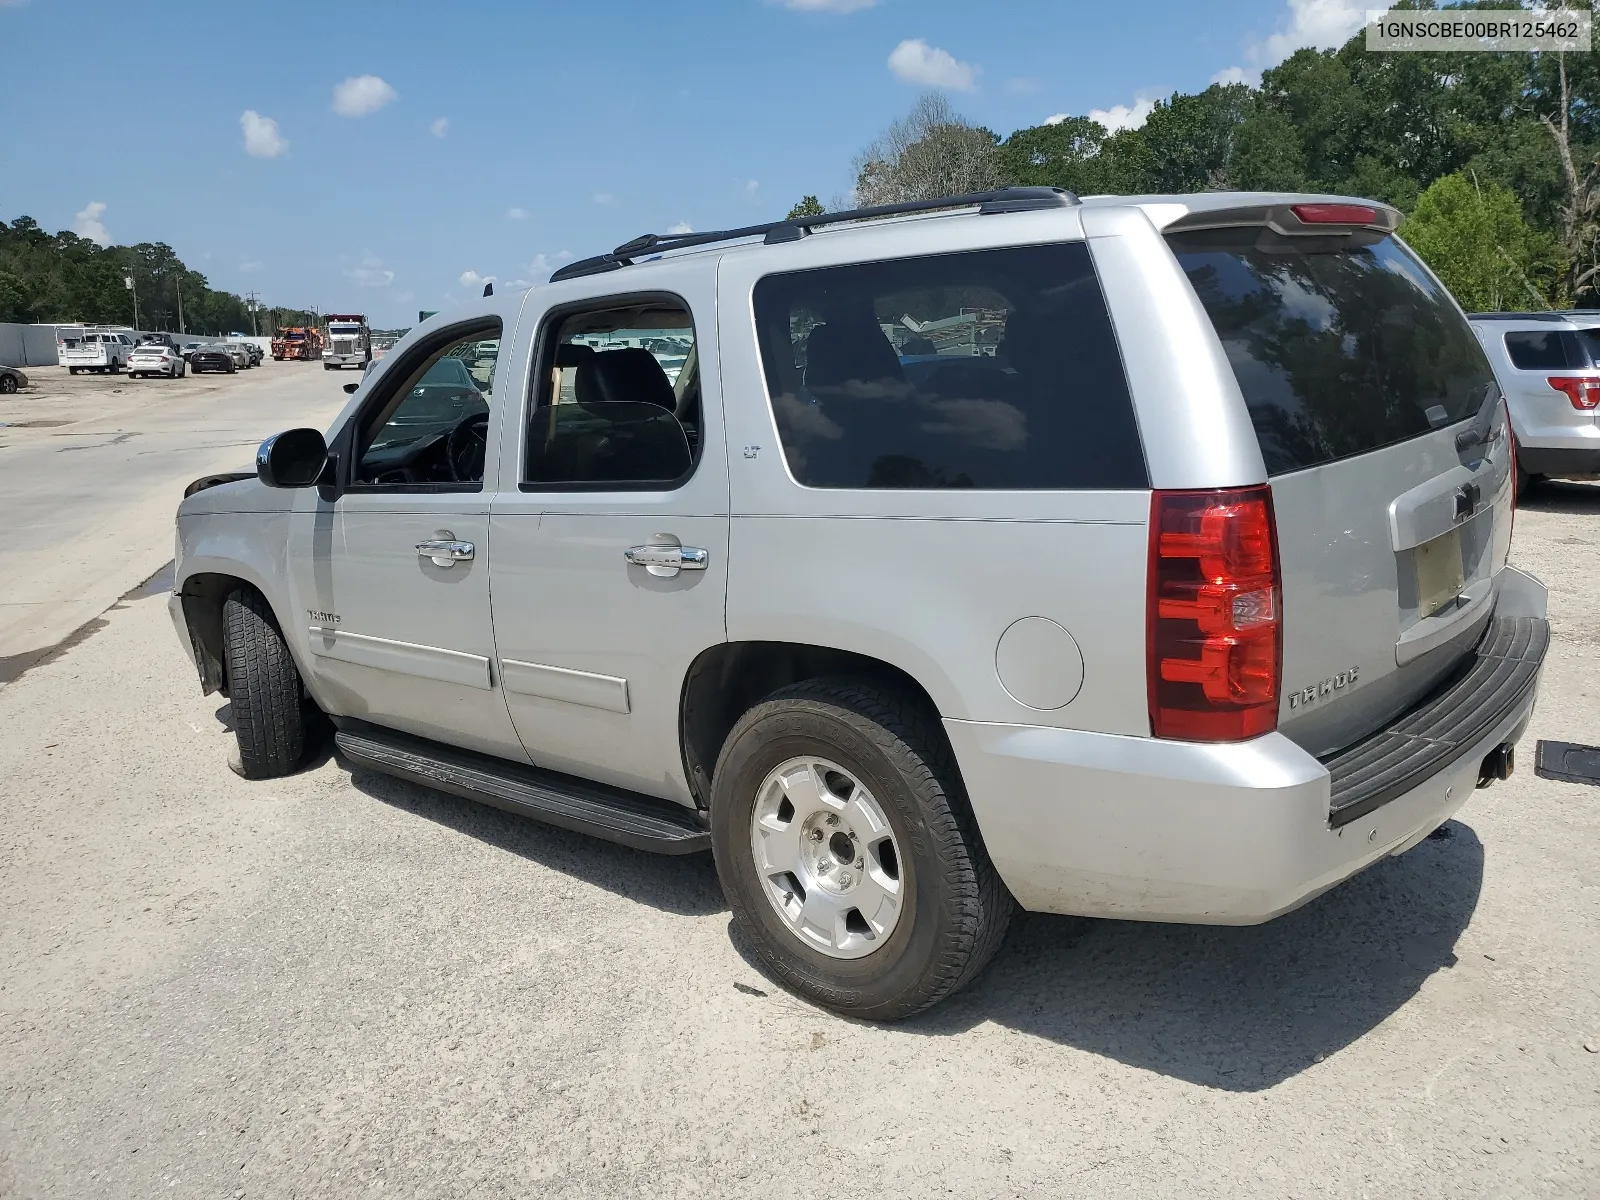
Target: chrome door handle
[
  {"x": 445, "y": 553},
  {"x": 667, "y": 559}
]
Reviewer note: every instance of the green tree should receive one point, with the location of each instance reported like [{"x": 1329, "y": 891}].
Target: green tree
[
  {"x": 1474, "y": 237},
  {"x": 931, "y": 152},
  {"x": 809, "y": 206}
]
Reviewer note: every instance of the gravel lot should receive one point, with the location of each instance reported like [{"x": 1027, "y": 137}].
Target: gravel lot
[{"x": 340, "y": 984}]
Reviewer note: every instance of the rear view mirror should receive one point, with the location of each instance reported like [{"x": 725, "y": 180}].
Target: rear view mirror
[{"x": 293, "y": 459}]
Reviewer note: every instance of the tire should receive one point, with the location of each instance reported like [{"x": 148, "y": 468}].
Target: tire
[
  {"x": 8, "y": 385},
  {"x": 180, "y": 370},
  {"x": 72, "y": 370},
  {"x": 953, "y": 911},
  {"x": 232, "y": 369},
  {"x": 264, "y": 687}
]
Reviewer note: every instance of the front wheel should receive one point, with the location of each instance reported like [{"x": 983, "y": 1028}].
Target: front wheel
[
  {"x": 264, "y": 686},
  {"x": 848, "y": 851}
]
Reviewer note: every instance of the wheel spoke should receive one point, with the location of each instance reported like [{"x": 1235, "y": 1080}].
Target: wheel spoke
[
  {"x": 804, "y": 790},
  {"x": 863, "y": 813},
  {"x": 780, "y": 848},
  {"x": 877, "y": 898},
  {"x": 823, "y": 916}
]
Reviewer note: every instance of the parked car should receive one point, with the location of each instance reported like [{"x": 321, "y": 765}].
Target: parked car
[
  {"x": 1549, "y": 366},
  {"x": 236, "y": 351},
  {"x": 157, "y": 339},
  {"x": 156, "y": 358},
  {"x": 1161, "y": 597},
  {"x": 12, "y": 379},
  {"x": 97, "y": 351},
  {"x": 212, "y": 358},
  {"x": 255, "y": 352}
]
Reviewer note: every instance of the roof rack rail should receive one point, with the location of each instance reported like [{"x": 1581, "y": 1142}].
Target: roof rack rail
[{"x": 1001, "y": 200}]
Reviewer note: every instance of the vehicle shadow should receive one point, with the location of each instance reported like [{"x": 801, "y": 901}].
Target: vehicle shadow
[
  {"x": 1561, "y": 496},
  {"x": 685, "y": 885},
  {"x": 1240, "y": 1008}
]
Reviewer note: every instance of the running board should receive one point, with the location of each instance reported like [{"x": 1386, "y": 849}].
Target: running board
[{"x": 629, "y": 818}]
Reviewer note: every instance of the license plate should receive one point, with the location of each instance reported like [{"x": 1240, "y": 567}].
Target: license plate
[{"x": 1439, "y": 573}]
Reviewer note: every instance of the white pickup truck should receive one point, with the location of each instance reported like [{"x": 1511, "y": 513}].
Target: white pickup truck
[{"x": 94, "y": 350}]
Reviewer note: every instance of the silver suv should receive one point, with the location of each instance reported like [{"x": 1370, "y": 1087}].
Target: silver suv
[
  {"x": 1549, "y": 366},
  {"x": 1138, "y": 557}
]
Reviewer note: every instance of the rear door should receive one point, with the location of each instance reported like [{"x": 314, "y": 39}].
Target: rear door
[{"x": 1382, "y": 432}]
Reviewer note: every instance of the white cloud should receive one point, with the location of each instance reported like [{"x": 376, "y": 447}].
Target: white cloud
[
  {"x": 440, "y": 127},
  {"x": 261, "y": 136},
  {"x": 604, "y": 198},
  {"x": 1124, "y": 116},
  {"x": 914, "y": 61},
  {"x": 752, "y": 186},
  {"x": 516, "y": 214},
  {"x": 473, "y": 281},
  {"x": 681, "y": 227},
  {"x": 88, "y": 225},
  {"x": 833, "y": 6},
  {"x": 518, "y": 285},
  {"x": 1056, "y": 118},
  {"x": 362, "y": 94},
  {"x": 543, "y": 264},
  {"x": 371, "y": 273},
  {"x": 1320, "y": 24},
  {"x": 1233, "y": 75}
]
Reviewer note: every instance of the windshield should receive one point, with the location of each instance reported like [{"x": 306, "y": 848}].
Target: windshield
[
  {"x": 344, "y": 329},
  {"x": 1340, "y": 345}
]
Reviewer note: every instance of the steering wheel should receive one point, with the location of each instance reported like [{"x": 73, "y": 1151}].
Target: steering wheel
[{"x": 465, "y": 450}]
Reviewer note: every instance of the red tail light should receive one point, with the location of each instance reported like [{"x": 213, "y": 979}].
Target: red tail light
[
  {"x": 1335, "y": 214},
  {"x": 1214, "y": 615},
  {"x": 1582, "y": 390}
]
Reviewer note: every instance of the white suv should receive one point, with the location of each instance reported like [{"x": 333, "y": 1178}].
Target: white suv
[
  {"x": 1549, "y": 366},
  {"x": 1142, "y": 557}
]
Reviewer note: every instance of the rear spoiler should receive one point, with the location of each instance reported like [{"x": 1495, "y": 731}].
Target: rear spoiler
[{"x": 1298, "y": 218}]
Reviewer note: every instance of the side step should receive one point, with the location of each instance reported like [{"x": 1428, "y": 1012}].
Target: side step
[{"x": 643, "y": 822}]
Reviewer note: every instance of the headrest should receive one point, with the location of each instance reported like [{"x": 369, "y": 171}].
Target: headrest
[
  {"x": 570, "y": 354},
  {"x": 615, "y": 375},
  {"x": 850, "y": 348}
]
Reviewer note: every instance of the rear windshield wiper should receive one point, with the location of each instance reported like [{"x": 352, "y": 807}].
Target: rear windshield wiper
[{"x": 1481, "y": 431}]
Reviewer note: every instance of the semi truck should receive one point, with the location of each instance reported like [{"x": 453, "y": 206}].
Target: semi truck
[{"x": 349, "y": 341}]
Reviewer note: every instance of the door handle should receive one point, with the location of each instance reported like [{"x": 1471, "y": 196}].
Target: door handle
[
  {"x": 667, "y": 559},
  {"x": 445, "y": 553}
]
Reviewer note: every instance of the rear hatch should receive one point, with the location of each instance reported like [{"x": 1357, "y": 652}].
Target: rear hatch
[
  {"x": 1383, "y": 433},
  {"x": 91, "y": 351}
]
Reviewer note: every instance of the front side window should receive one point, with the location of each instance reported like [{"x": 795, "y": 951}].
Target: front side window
[
  {"x": 618, "y": 405},
  {"x": 991, "y": 369},
  {"x": 428, "y": 428}
]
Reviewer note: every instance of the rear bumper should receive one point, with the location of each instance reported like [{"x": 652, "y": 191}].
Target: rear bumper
[
  {"x": 1107, "y": 825},
  {"x": 1560, "y": 461}
]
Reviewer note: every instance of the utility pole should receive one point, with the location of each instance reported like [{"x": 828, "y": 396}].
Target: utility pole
[
  {"x": 128, "y": 281},
  {"x": 178, "y": 279},
  {"x": 250, "y": 299}
]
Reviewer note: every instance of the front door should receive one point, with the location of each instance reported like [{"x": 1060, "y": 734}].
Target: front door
[
  {"x": 610, "y": 551},
  {"x": 394, "y": 581}
]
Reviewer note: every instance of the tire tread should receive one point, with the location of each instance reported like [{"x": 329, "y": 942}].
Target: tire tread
[{"x": 264, "y": 686}]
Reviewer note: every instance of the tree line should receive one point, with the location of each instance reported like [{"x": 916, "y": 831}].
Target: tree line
[
  {"x": 61, "y": 277},
  {"x": 1494, "y": 158}
]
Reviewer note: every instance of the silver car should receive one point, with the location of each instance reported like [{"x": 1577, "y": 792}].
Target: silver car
[
  {"x": 1549, "y": 366},
  {"x": 1137, "y": 557}
]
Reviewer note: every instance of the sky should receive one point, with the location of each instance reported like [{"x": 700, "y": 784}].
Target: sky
[{"x": 390, "y": 157}]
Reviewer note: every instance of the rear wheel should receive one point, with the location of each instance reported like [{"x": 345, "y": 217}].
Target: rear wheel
[
  {"x": 72, "y": 370},
  {"x": 8, "y": 385},
  {"x": 264, "y": 686},
  {"x": 848, "y": 852}
]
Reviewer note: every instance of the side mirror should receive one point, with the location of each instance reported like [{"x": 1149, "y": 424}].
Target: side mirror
[
  {"x": 350, "y": 388},
  {"x": 293, "y": 459}
]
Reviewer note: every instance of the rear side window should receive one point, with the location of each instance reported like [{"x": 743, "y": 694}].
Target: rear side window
[
  {"x": 1341, "y": 345},
  {"x": 990, "y": 369},
  {"x": 1550, "y": 350}
]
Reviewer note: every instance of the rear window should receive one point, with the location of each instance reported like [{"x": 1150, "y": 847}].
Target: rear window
[
  {"x": 1552, "y": 349},
  {"x": 990, "y": 369},
  {"x": 1340, "y": 345}
]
